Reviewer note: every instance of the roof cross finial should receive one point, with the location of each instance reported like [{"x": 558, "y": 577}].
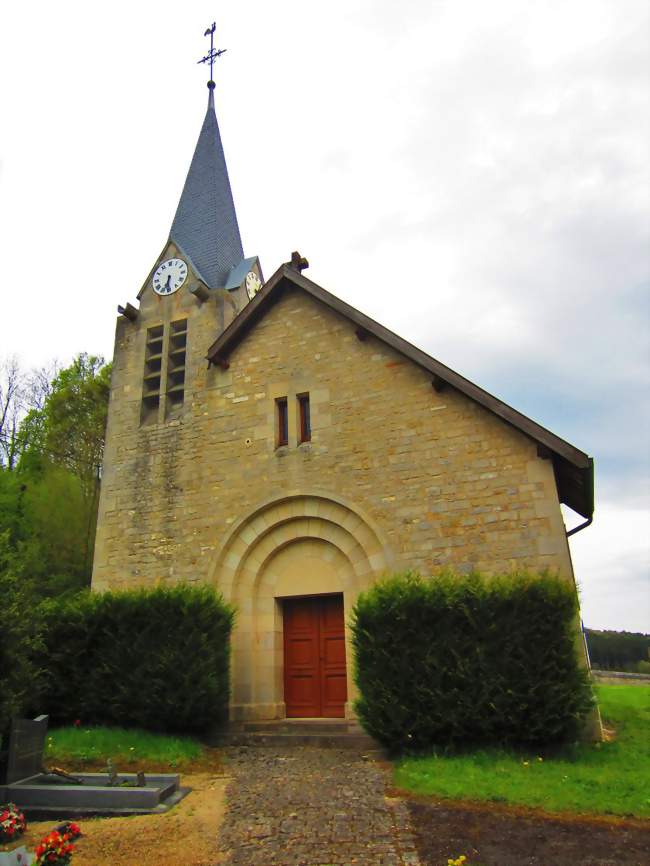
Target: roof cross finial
[
  {"x": 213, "y": 54},
  {"x": 298, "y": 262}
]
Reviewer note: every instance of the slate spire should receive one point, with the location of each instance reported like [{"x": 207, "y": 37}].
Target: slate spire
[{"x": 205, "y": 226}]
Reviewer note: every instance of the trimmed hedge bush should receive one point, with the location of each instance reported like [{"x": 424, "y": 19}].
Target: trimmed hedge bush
[
  {"x": 156, "y": 659},
  {"x": 469, "y": 660}
]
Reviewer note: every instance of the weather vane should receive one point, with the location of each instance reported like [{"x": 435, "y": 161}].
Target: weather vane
[{"x": 212, "y": 56}]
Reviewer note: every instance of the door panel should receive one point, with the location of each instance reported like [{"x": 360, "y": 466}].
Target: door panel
[
  {"x": 301, "y": 658},
  {"x": 303, "y": 652},
  {"x": 335, "y": 690},
  {"x": 334, "y": 650},
  {"x": 315, "y": 680},
  {"x": 332, "y": 657}
]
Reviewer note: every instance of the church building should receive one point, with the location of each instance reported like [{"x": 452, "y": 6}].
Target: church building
[{"x": 268, "y": 439}]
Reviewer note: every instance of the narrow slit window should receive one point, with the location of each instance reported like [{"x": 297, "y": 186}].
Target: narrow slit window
[
  {"x": 176, "y": 365},
  {"x": 304, "y": 418},
  {"x": 151, "y": 379},
  {"x": 282, "y": 420}
]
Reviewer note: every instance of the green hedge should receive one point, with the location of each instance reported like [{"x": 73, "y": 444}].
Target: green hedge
[
  {"x": 156, "y": 659},
  {"x": 469, "y": 660}
]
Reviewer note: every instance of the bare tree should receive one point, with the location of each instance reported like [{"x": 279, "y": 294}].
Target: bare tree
[
  {"x": 20, "y": 391},
  {"x": 39, "y": 384},
  {"x": 13, "y": 388}
]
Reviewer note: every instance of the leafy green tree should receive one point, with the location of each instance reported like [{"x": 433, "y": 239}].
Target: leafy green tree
[
  {"x": 44, "y": 519},
  {"x": 49, "y": 488},
  {"x": 67, "y": 433},
  {"x": 69, "y": 429},
  {"x": 12, "y": 524}
]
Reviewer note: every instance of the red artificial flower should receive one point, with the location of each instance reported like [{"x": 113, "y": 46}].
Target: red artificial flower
[{"x": 77, "y": 722}]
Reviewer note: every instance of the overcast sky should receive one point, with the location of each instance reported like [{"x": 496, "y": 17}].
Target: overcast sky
[{"x": 474, "y": 175}]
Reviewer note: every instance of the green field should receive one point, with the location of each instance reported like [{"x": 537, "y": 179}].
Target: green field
[
  {"x": 80, "y": 745},
  {"x": 604, "y": 778}
]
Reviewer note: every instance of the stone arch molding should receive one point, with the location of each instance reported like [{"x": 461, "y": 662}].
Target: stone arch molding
[
  {"x": 299, "y": 544},
  {"x": 241, "y": 562}
]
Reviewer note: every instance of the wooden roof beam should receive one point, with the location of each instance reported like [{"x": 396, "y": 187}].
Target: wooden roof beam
[
  {"x": 129, "y": 312},
  {"x": 200, "y": 292},
  {"x": 439, "y": 384}
]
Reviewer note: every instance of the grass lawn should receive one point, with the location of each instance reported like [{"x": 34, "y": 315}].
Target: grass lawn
[
  {"x": 603, "y": 778},
  {"x": 79, "y": 746}
]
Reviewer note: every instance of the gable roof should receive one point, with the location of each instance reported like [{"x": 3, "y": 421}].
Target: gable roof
[
  {"x": 574, "y": 472},
  {"x": 205, "y": 225}
]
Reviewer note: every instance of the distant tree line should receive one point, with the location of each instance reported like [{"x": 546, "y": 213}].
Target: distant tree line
[{"x": 619, "y": 650}]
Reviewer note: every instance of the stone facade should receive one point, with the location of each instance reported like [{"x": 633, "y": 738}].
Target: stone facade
[{"x": 396, "y": 475}]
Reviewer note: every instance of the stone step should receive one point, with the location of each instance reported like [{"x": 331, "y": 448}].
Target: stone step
[
  {"x": 323, "y": 733},
  {"x": 300, "y": 726},
  {"x": 341, "y": 740}
]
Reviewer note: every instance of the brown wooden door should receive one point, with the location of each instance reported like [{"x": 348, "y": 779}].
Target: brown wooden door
[{"x": 315, "y": 680}]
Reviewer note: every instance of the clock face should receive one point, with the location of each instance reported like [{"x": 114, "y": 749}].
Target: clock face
[
  {"x": 253, "y": 284},
  {"x": 169, "y": 276}
]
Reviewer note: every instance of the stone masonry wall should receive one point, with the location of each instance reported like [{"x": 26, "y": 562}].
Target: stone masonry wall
[{"x": 447, "y": 483}]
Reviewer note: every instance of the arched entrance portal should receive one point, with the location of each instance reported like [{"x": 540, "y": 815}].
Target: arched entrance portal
[{"x": 301, "y": 546}]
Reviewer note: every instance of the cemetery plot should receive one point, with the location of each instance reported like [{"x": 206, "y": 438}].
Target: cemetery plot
[{"x": 38, "y": 791}]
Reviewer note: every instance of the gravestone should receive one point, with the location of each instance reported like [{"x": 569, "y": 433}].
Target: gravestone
[{"x": 26, "y": 743}]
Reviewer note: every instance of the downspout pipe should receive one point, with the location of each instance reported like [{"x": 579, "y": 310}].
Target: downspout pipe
[{"x": 589, "y": 491}]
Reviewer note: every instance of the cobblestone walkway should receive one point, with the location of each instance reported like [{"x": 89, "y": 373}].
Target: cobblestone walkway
[{"x": 312, "y": 807}]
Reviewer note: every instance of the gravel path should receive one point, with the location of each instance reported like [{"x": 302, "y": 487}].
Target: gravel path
[{"x": 312, "y": 807}]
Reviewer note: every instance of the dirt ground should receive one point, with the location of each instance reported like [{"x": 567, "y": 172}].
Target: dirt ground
[
  {"x": 186, "y": 834},
  {"x": 489, "y": 835}
]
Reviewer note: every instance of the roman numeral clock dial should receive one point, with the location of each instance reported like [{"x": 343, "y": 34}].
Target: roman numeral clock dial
[{"x": 169, "y": 276}]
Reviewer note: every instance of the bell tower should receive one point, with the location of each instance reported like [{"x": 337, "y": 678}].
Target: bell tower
[{"x": 198, "y": 284}]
